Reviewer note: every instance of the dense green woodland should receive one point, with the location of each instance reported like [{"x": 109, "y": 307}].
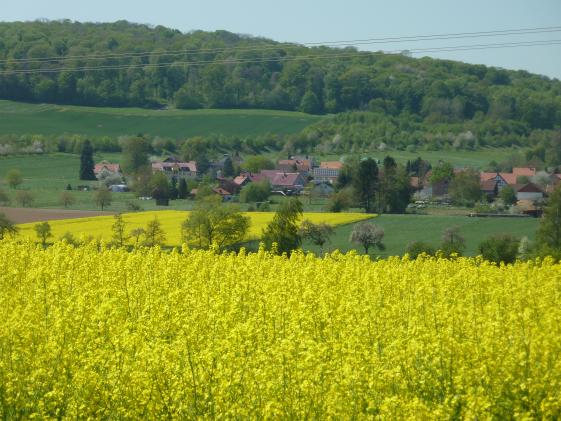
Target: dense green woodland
[{"x": 402, "y": 101}]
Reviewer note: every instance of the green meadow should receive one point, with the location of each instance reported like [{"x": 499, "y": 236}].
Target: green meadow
[
  {"x": 49, "y": 119},
  {"x": 400, "y": 230}
]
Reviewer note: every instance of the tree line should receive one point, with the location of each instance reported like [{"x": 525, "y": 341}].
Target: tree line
[{"x": 223, "y": 227}]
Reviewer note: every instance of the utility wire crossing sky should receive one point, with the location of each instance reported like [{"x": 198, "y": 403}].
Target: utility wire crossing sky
[{"x": 308, "y": 23}]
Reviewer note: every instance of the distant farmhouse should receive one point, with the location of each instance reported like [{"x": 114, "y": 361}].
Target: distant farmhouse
[
  {"x": 491, "y": 184},
  {"x": 302, "y": 166},
  {"x": 327, "y": 171},
  {"x": 285, "y": 182},
  {"x": 173, "y": 167},
  {"x": 105, "y": 169}
]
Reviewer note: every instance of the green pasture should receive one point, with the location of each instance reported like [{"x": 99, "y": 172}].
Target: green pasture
[
  {"x": 48, "y": 119},
  {"x": 400, "y": 230},
  {"x": 459, "y": 158}
]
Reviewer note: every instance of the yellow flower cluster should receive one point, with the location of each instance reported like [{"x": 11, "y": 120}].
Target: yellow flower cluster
[
  {"x": 100, "y": 226},
  {"x": 105, "y": 333}
]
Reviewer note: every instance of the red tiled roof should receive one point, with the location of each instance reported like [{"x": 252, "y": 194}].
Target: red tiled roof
[
  {"x": 240, "y": 179},
  {"x": 488, "y": 185},
  {"x": 109, "y": 167},
  {"x": 285, "y": 179},
  {"x": 333, "y": 165},
  {"x": 527, "y": 188},
  {"x": 279, "y": 178},
  {"x": 528, "y": 172},
  {"x": 485, "y": 176},
  {"x": 300, "y": 164},
  {"x": 510, "y": 178}
]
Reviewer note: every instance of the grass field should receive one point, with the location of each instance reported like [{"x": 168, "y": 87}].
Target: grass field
[
  {"x": 400, "y": 230},
  {"x": 100, "y": 226},
  {"x": 47, "y": 119},
  {"x": 477, "y": 159}
]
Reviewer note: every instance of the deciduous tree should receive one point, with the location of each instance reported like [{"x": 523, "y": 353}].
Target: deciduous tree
[
  {"x": 7, "y": 226},
  {"x": 367, "y": 235},
  {"x": 4, "y": 198},
  {"x": 154, "y": 234},
  {"x": 102, "y": 197},
  {"x": 283, "y": 229},
  {"x": 318, "y": 234},
  {"x": 43, "y": 231},
  {"x": 500, "y": 248},
  {"x": 508, "y": 195},
  {"x": 66, "y": 198},
  {"x": 452, "y": 242},
  {"x": 137, "y": 233},
  {"x": 135, "y": 154},
  {"x": 14, "y": 178},
  {"x": 213, "y": 223},
  {"x": 549, "y": 231},
  {"x": 465, "y": 188},
  {"x": 415, "y": 248},
  {"x": 24, "y": 198},
  {"x": 119, "y": 237},
  {"x": 255, "y": 192}
]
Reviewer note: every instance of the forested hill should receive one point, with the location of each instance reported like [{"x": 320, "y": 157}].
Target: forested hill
[{"x": 251, "y": 76}]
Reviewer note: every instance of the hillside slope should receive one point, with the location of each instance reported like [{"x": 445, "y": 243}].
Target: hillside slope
[
  {"x": 23, "y": 118},
  {"x": 378, "y": 98},
  {"x": 254, "y": 73}
]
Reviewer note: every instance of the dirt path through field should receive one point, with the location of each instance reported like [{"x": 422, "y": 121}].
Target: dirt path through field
[{"x": 23, "y": 215}]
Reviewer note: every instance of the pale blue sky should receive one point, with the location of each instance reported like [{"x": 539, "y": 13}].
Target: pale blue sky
[{"x": 330, "y": 20}]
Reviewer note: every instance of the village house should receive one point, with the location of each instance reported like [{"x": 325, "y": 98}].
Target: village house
[
  {"x": 302, "y": 166},
  {"x": 242, "y": 179},
  {"x": 288, "y": 183},
  {"x": 225, "y": 194},
  {"x": 500, "y": 179},
  {"x": 490, "y": 189},
  {"x": 105, "y": 169},
  {"x": 504, "y": 178},
  {"x": 327, "y": 171},
  {"x": 321, "y": 188},
  {"x": 528, "y": 191},
  {"x": 229, "y": 185},
  {"x": 172, "y": 167},
  {"x": 426, "y": 189}
]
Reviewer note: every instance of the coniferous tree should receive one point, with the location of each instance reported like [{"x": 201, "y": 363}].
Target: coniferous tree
[
  {"x": 228, "y": 169},
  {"x": 173, "y": 191},
  {"x": 182, "y": 190},
  {"x": 86, "y": 162}
]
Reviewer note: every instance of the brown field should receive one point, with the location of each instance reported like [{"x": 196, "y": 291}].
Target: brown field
[{"x": 23, "y": 215}]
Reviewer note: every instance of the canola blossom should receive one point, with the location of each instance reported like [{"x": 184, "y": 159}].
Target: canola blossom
[
  {"x": 95, "y": 333},
  {"x": 171, "y": 220}
]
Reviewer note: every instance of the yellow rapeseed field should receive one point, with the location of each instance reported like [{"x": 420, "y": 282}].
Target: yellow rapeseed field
[
  {"x": 109, "y": 334},
  {"x": 171, "y": 220}
]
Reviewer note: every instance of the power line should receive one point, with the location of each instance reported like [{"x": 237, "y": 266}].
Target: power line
[
  {"x": 287, "y": 58},
  {"x": 287, "y": 46}
]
